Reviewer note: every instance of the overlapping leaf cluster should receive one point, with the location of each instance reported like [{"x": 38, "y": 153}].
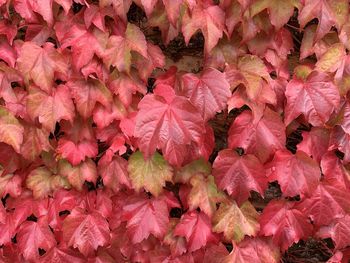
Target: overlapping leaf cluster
[{"x": 97, "y": 167}]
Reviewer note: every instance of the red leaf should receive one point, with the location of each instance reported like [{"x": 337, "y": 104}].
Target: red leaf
[
  {"x": 209, "y": 92},
  {"x": 196, "y": 228},
  {"x": 61, "y": 255},
  {"x": 339, "y": 231},
  {"x": 167, "y": 123},
  {"x": 86, "y": 231},
  {"x": 316, "y": 98},
  {"x": 41, "y": 64},
  {"x": 34, "y": 235},
  {"x": 328, "y": 201},
  {"x": 340, "y": 140},
  {"x": 286, "y": 224},
  {"x": 238, "y": 175},
  {"x": 209, "y": 19},
  {"x": 261, "y": 137},
  {"x": 147, "y": 216},
  {"x": 297, "y": 174}
]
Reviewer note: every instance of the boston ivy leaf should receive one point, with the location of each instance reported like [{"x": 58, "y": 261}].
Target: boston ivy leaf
[
  {"x": 147, "y": 216},
  {"x": 339, "y": 139},
  {"x": 328, "y": 12},
  {"x": 236, "y": 222},
  {"x": 167, "y": 122},
  {"x": 78, "y": 174},
  {"x": 209, "y": 92},
  {"x": 85, "y": 231},
  {"x": 285, "y": 223},
  {"x": 297, "y": 174},
  {"x": 238, "y": 175},
  {"x": 50, "y": 109},
  {"x": 11, "y": 131},
  {"x": 328, "y": 201},
  {"x": 316, "y": 98},
  {"x": 204, "y": 194},
  {"x": 114, "y": 172},
  {"x": 40, "y": 64},
  {"x": 197, "y": 167},
  {"x": 57, "y": 254},
  {"x": 87, "y": 93},
  {"x": 150, "y": 174},
  {"x": 10, "y": 184},
  {"x": 261, "y": 136},
  {"x": 34, "y": 235},
  {"x": 259, "y": 249},
  {"x": 118, "y": 50},
  {"x": 196, "y": 228},
  {"x": 209, "y": 19},
  {"x": 42, "y": 182},
  {"x": 279, "y": 12},
  {"x": 338, "y": 230}
]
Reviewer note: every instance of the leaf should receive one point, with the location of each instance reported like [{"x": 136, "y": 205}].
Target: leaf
[
  {"x": 197, "y": 167},
  {"x": 86, "y": 93},
  {"x": 85, "y": 231},
  {"x": 118, "y": 50},
  {"x": 329, "y": 13},
  {"x": 78, "y": 174},
  {"x": 34, "y": 142},
  {"x": 196, "y": 228},
  {"x": 210, "y": 20},
  {"x": 34, "y": 235},
  {"x": 328, "y": 201},
  {"x": 260, "y": 136},
  {"x": 209, "y": 92},
  {"x": 204, "y": 194},
  {"x": 61, "y": 255},
  {"x": 259, "y": 249},
  {"x": 10, "y": 184},
  {"x": 84, "y": 43},
  {"x": 332, "y": 59},
  {"x": 339, "y": 139},
  {"x": 50, "y": 109},
  {"x": 42, "y": 182},
  {"x": 338, "y": 231},
  {"x": 285, "y": 223},
  {"x": 169, "y": 123},
  {"x": 177, "y": 244},
  {"x": 334, "y": 171},
  {"x": 252, "y": 73},
  {"x": 297, "y": 174},
  {"x": 316, "y": 99},
  {"x": 40, "y": 64},
  {"x": 279, "y": 12},
  {"x": 315, "y": 143},
  {"x": 114, "y": 172},
  {"x": 236, "y": 222},
  {"x": 147, "y": 216},
  {"x": 238, "y": 175},
  {"x": 11, "y": 131},
  {"x": 150, "y": 174}
]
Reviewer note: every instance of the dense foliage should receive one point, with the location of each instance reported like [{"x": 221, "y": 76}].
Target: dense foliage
[{"x": 156, "y": 130}]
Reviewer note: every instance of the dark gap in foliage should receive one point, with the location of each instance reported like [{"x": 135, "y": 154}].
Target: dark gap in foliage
[
  {"x": 90, "y": 186},
  {"x": 14, "y": 239},
  {"x": 64, "y": 212},
  {"x": 150, "y": 84},
  {"x": 228, "y": 247},
  {"x": 295, "y": 138},
  {"x": 76, "y": 7},
  {"x": 32, "y": 218},
  {"x": 15, "y": 84},
  {"x": 41, "y": 251},
  {"x": 310, "y": 251},
  {"x": 294, "y": 198},
  {"x": 99, "y": 182},
  {"x": 221, "y": 124},
  {"x": 272, "y": 192},
  {"x": 176, "y": 212},
  {"x": 58, "y": 81},
  {"x": 136, "y": 14},
  {"x": 3, "y": 200},
  {"x": 128, "y": 152},
  {"x": 294, "y": 28},
  {"x": 240, "y": 151},
  {"x": 339, "y": 154}
]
